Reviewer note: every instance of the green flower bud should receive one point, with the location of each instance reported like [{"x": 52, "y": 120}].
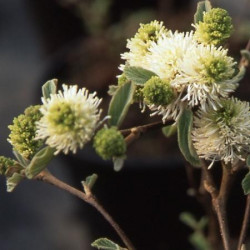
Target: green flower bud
[
  {"x": 215, "y": 28},
  {"x": 109, "y": 142},
  {"x": 157, "y": 91},
  {"x": 23, "y": 132}
]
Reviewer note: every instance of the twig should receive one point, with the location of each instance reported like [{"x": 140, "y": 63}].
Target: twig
[
  {"x": 244, "y": 224},
  {"x": 135, "y": 132},
  {"x": 88, "y": 197},
  {"x": 219, "y": 199}
]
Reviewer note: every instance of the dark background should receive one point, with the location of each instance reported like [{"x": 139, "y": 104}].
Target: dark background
[{"x": 77, "y": 43}]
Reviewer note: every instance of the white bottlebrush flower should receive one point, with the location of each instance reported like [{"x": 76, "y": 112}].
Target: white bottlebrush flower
[
  {"x": 166, "y": 53},
  {"x": 139, "y": 45},
  {"x": 170, "y": 111},
  {"x": 206, "y": 73},
  {"x": 223, "y": 134},
  {"x": 69, "y": 119}
]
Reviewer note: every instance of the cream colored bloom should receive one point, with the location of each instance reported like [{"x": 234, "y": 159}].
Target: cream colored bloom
[
  {"x": 223, "y": 134},
  {"x": 206, "y": 73},
  {"x": 139, "y": 45},
  {"x": 166, "y": 53},
  {"x": 69, "y": 119}
]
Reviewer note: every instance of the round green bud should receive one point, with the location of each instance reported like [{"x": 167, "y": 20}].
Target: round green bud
[
  {"x": 5, "y": 163},
  {"x": 215, "y": 28},
  {"x": 216, "y": 69},
  {"x": 23, "y": 132},
  {"x": 109, "y": 142},
  {"x": 157, "y": 91}
]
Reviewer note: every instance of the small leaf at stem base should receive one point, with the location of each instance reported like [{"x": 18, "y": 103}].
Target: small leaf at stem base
[{"x": 106, "y": 244}]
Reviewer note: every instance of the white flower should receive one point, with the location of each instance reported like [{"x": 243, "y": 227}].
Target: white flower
[
  {"x": 166, "y": 53},
  {"x": 223, "y": 134},
  {"x": 69, "y": 119},
  {"x": 206, "y": 73},
  {"x": 139, "y": 45},
  {"x": 170, "y": 111}
]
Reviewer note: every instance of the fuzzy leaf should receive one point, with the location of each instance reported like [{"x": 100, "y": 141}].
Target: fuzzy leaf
[
  {"x": 120, "y": 103},
  {"x": 246, "y": 184},
  {"x": 112, "y": 89},
  {"x": 49, "y": 88},
  {"x": 189, "y": 220},
  {"x": 118, "y": 162},
  {"x": 90, "y": 181},
  {"x": 239, "y": 76},
  {"x": 184, "y": 128},
  {"x": 169, "y": 130},
  {"x": 138, "y": 75},
  {"x": 13, "y": 181},
  {"x": 22, "y": 161},
  {"x": 199, "y": 241},
  {"x": 104, "y": 243},
  {"x": 248, "y": 161},
  {"x": 245, "y": 53},
  {"x": 39, "y": 162},
  {"x": 201, "y": 7}
]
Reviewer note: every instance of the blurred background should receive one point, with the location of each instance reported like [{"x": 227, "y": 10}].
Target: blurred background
[{"x": 80, "y": 42}]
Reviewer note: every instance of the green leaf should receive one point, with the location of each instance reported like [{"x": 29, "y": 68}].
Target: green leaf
[
  {"x": 39, "y": 162},
  {"x": 138, "y": 75},
  {"x": 189, "y": 220},
  {"x": 90, "y": 181},
  {"x": 239, "y": 76},
  {"x": 202, "y": 223},
  {"x": 22, "y": 161},
  {"x": 248, "y": 161},
  {"x": 184, "y": 128},
  {"x": 199, "y": 241},
  {"x": 246, "y": 184},
  {"x": 118, "y": 162},
  {"x": 245, "y": 53},
  {"x": 169, "y": 130},
  {"x": 120, "y": 103},
  {"x": 13, "y": 181},
  {"x": 104, "y": 243},
  {"x": 201, "y": 7},
  {"x": 49, "y": 88},
  {"x": 112, "y": 89}
]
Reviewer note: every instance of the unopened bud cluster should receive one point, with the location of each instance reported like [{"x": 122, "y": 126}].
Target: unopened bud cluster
[{"x": 109, "y": 143}]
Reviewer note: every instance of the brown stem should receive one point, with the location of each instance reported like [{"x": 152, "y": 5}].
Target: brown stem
[
  {"x": 88, "y": 197},
  {"x": 219, "y": 199},
  {"x": 135, "y": 132},
  {"x": 244, "y": 224}
]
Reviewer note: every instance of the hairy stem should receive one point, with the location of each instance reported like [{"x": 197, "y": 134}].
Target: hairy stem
[
  {"x": 88, "y": 197},
  {"x": 244, "y": 224}
]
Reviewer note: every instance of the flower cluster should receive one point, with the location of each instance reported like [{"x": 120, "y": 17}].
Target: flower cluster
[
  {"x": 23, "y": 132},
  {"x": 193, "y": 70},
  {"x": 109, "y": 143},
  {"x": 224, "y": 133},
  {"x": 198, "y": 72},
  {"x": 69, "y": 119}
]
